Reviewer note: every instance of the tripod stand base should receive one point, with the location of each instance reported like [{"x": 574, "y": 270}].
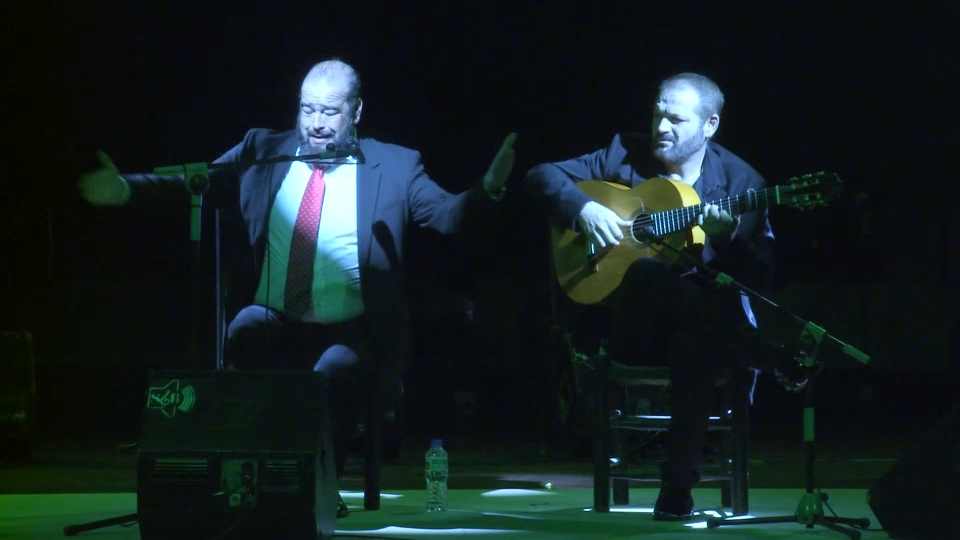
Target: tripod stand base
[
  {"x": 809, "y": 513},
  {"x": 73, "y": 530}
]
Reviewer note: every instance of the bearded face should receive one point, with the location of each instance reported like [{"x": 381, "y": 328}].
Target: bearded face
[
  {"x": 328, "y": 113},
  {"x": 678, "y": 130}
]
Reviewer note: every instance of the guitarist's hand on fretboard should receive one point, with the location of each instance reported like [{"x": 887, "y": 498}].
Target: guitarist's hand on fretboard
[
  {"x": 717, "y": 223},
  {"x": 601, "y": 226}
]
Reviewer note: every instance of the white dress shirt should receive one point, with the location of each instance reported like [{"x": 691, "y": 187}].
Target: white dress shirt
[{"x": 336, "y": 271}]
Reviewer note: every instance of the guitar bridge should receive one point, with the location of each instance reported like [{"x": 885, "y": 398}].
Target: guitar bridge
[{"x": 592, "y": 261}]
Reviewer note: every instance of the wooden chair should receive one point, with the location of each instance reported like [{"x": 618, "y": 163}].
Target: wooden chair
[
  {"x": 612, "y": 466},
  {"x": 373, "y": 446},
  {"x": 373, "y": 439}
]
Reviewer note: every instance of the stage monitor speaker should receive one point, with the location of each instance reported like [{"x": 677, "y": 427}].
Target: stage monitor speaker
[
  {"x": 18, "y": 395},
  {"x": 919, "y": 495},
  {"x": 236, "y": 454}
]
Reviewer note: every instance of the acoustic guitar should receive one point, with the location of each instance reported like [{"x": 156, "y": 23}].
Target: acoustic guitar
[{"x": 668, "y": 210}]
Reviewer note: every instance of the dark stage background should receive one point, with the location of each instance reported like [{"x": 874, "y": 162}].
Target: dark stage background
[{"x": 868, "y": 93}]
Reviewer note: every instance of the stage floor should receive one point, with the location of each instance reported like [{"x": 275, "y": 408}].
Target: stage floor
[{"x": 498, "y": 513}]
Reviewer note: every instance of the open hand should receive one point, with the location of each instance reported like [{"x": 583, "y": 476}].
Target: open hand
[
  {"x": 104, "y": 186},
  {"x": 501, "y": 166}
]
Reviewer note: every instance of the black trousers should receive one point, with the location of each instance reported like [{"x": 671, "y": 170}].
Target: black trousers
[
  {"x": 262, "y": 338},
  {"x": 658, "y": 317}
]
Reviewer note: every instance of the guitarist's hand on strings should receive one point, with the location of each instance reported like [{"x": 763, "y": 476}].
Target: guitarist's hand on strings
[
  {"x": 717, "y": 223},
  {"x": 600, "y": 225}
]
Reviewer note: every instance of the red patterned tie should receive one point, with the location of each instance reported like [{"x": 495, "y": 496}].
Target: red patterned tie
[{"x": 298, "y": 293}]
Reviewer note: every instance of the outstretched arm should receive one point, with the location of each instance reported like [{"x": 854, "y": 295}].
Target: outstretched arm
[
  {"x": 432, "y": 206},
  {"x": 151, "y": 186},
  {"x": 106, "y": 186}
]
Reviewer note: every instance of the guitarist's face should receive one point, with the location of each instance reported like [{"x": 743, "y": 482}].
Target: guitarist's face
[{"x": 678, "y": 131}]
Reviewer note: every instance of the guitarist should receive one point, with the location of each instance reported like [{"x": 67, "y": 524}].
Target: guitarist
[{"x": 687, "y": 319}]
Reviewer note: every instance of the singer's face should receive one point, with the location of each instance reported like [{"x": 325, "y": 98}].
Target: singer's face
[{"x": 326, "y": 113}]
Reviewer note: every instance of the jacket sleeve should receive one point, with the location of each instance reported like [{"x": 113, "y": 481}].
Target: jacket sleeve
[
  {"x": 150, "y": 189},
  {"x": 552, "y": 186},
  {"x": 431, "y": 206},
  {"x": 749, "y": 257}
]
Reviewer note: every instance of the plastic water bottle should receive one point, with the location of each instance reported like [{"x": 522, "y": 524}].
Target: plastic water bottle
[{"x": 436, "y": 469}]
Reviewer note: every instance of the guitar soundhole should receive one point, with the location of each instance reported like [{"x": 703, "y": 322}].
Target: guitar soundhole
[{"x": 642, "y": 225}]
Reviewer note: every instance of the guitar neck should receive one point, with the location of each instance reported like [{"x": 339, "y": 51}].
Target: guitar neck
[{"x": 678, "y": 219}]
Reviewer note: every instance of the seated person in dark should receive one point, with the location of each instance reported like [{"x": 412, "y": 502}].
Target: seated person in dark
[
  {"x": 689, "y": 323},
  {"x": 323, "y": 244}
]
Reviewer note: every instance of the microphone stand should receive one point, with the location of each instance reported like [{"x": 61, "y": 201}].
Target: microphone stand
[
  {"x": 813, "y": 334},
  {"x": 197, "y": 182},
  {"x": 810, "y": 510}
]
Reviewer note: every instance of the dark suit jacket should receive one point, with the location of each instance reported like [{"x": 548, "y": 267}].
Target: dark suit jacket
[
  {"x": 629, "y": 161},
  {"x": 393, "y": 190}
]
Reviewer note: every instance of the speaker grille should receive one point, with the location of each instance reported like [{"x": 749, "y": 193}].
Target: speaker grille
[
  {"x": 180, "y": 470},
  {"x": 282, "y": 476}
]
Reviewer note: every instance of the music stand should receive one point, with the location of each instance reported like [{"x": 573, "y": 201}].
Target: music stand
[
  {"x": 810, "y": 510},
  {"x": 197, "y": 182}
]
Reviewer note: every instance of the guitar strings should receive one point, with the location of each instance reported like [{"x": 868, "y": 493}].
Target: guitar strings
[{"x": 677, "y": 219}]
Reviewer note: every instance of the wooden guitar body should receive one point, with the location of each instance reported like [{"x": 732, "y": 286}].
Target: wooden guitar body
[
  {"x": 668, "y": 210},
  {"x": 590, "y": 277}
]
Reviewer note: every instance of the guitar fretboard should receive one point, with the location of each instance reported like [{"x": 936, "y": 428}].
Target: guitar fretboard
[{"x": 678, "y": 219}]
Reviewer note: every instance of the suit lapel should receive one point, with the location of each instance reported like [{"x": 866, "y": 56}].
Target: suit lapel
[
  {"x": 278, "y": 171},
  {"x": 368, "y": 189},
  {"x": 711, "y": 180}
]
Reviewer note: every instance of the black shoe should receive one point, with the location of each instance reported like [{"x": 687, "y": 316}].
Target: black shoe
[
  {"x": 342, "y": 510},
  {"x": 675, "y": 503}
]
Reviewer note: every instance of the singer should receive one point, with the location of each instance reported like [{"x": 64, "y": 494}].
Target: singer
[
  {"x": 319, "y": 272},
  {"x": 662, "y": 312}
]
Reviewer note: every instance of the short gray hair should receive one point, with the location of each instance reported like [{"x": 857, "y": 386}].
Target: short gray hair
[
  {"x": 711, "y": 98},
  {"x": 335, "y": 68}
]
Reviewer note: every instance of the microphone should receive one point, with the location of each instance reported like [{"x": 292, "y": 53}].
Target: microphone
[
  {"x": 346, "y": 149},
  {"x": 351, "y": 147}
]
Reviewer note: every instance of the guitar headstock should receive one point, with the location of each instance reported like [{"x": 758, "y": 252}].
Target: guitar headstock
[{"x": 810, "y": 190}]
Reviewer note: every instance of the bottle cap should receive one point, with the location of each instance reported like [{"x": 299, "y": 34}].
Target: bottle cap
[{"x": 436, "y": 443}]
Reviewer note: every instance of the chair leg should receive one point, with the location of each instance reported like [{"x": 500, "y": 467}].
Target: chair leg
[
  {"x": 373, "y": 448},
  {"x": 601, "y": 440},
  {"x": 621, "y": 491},
  {"x": 726, "y": 494},
  {"x": 740, "y": 484},
  {"x": 621, "y": 486},
  {"x": 727, "y": 449}
]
